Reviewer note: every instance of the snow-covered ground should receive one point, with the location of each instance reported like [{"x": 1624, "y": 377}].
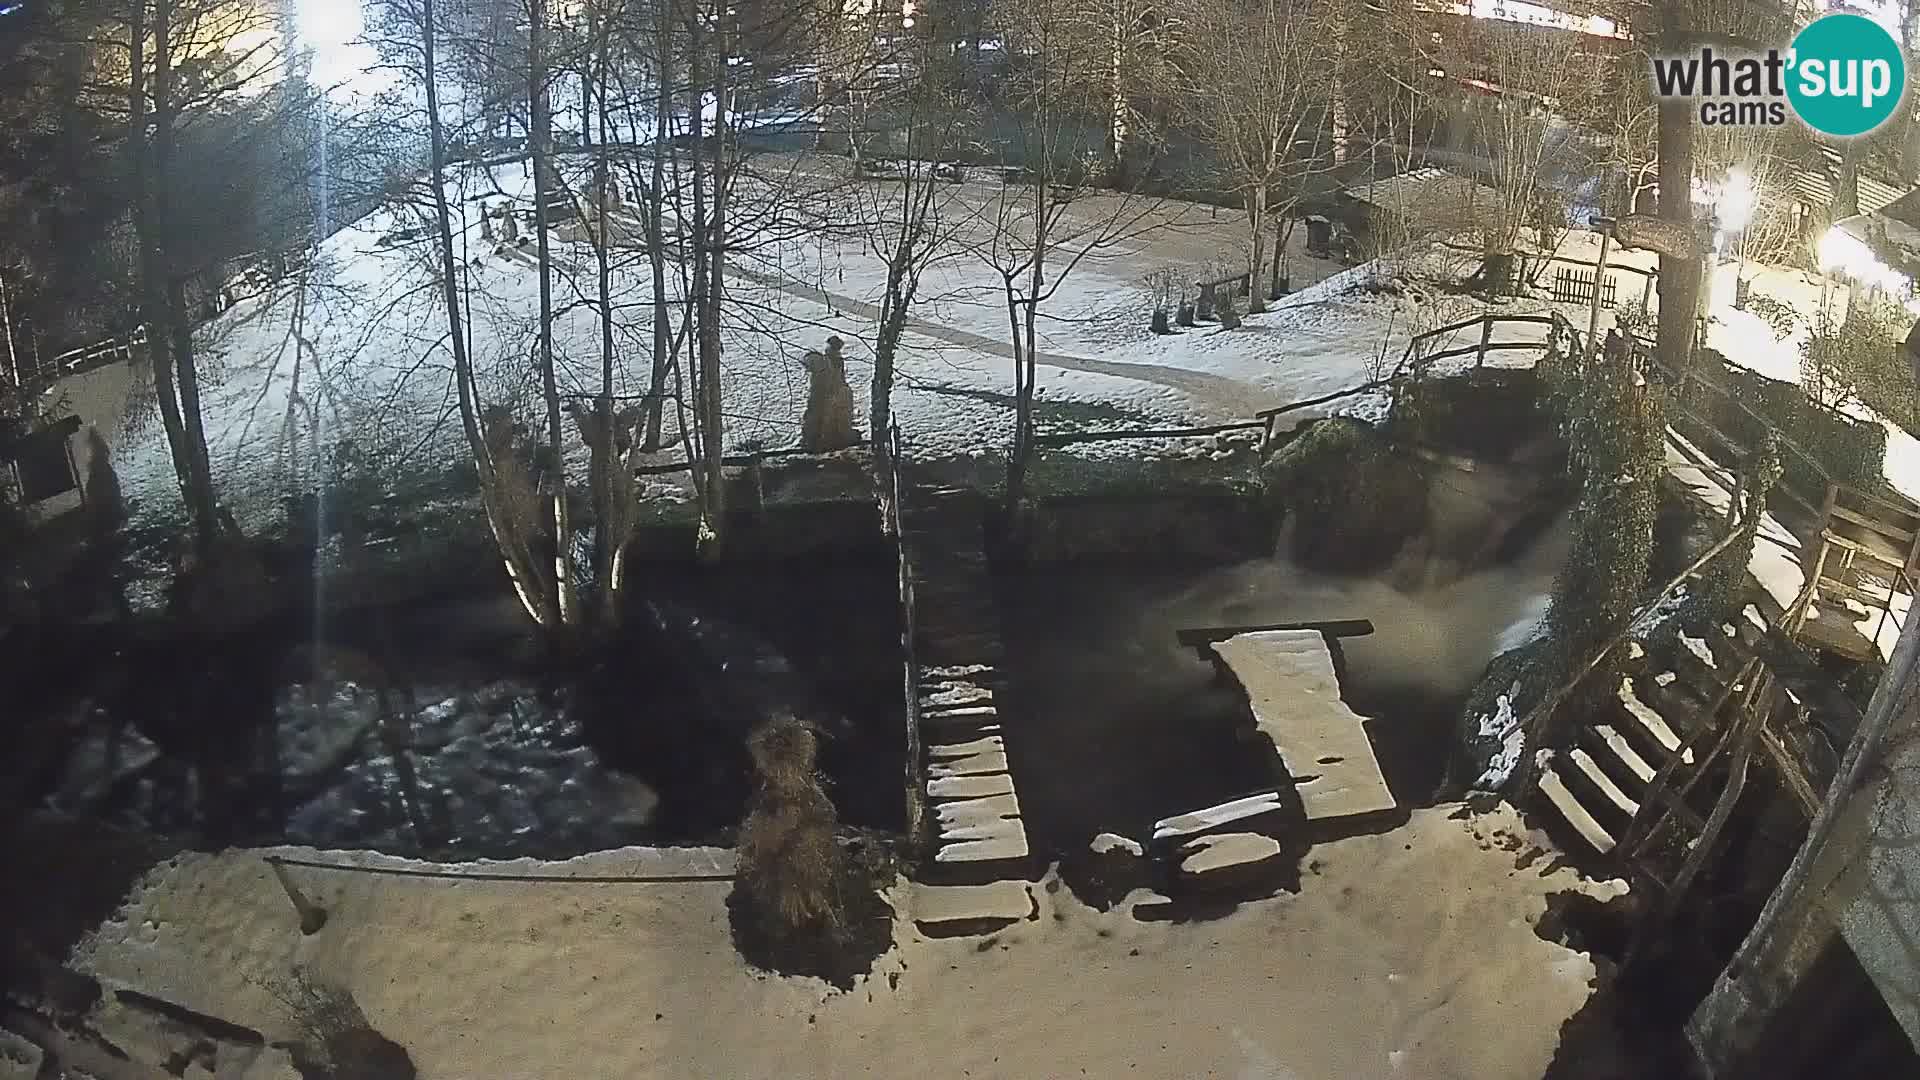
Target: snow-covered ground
[
  {"x": 359, "y": 354},
  {"x": 1407, "y": 953}
]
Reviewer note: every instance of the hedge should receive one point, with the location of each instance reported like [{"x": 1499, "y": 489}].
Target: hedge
[
  {"x": 1852, "y": 452},
  {"x": 1354, "y": 499}
]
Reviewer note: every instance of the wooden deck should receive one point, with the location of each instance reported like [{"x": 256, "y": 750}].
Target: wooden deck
[{"x": 1290, "y": 683}]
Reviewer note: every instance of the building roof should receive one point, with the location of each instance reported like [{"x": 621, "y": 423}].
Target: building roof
[
  {"x": 1430, "y": 198},
  {"x": 1814, "y": 187}
]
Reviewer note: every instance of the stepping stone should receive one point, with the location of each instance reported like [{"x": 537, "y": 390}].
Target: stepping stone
[
  {"x": 1006, "y": 843},
  {"x": 969, "y": 787},
  {"x": 1698, "y": 647},
  {"x": 971, "y": 715},
  {"x": 1599, "y": 779},
  {"x": 956, "y": 697},
  {"x": 977, "y": 758},
  {"x": 972, "y": 908},
  {"x": 1651, "y": 722}
]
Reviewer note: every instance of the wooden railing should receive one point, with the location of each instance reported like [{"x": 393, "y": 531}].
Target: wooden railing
[
  {"x": 1416, "y": 358},
  {"x": 887, "y": 467}
]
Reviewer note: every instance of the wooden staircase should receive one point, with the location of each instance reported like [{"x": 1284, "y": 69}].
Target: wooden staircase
[
  {"x": 1635, "y": 768},
  {"x": 976, "y": 821}
]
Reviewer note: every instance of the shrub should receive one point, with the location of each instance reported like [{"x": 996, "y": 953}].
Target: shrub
[
  {"x": 1229, "y": 310},
  {"x": 1863, "y": 357},
  {"x": 1779, "y": 317},
  {"x": 1851, "y": 452},
  {"x": 1354, "y": 500},
  {"x": 1616, "y": 436},
  {"x": 1724, "y": 584},
  {"x": 1634, "y": 320},
  {"x": 1162, "y": 288},
  {"x": 791, "y": 868}
]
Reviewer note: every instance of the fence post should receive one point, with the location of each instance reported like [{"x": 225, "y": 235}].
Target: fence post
[{"x": 1486, "y": 338}]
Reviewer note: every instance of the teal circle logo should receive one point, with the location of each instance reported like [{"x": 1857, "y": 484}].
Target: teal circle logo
[{"x": 1845, "y": 75}]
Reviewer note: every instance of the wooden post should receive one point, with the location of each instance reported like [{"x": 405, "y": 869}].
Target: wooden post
[
  {"x": 1599, "y": 275},
  {"x": 1486, "y": 338}
]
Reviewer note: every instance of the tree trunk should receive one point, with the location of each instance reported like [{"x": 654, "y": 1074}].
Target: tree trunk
[
  {"x": 168, "y": 297},
  {"x": 152, "y": 273},
  {"x": 1025, "y": 316},
  {"x": 609, "y": 521},
  {"x": 1679, "y": 278},
  {"x": 656, "y": 232},
  {"x": 519, "y": 563},
  {"x": 539, "y": 144},
  {"x": 707, "y": 235},
  {"x": 1256, "y": 246},
  {"x": 1846, "y": 183},
  {"x": 1119, "y": 109},
  {"x": 893, "y": 321}
]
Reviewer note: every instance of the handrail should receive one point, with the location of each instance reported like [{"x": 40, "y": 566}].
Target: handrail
[
  {"x": 1064, "y": 438},
  {"x": 1411, "y": 356},
  {"x": 909, "y": 660}
]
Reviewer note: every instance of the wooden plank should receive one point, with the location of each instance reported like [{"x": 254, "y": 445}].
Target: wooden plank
[
  {"x": 1576, "y": 815},
  {"x": 1290, "y": 684},
  {"x": 1625, "y": 752},
  {"x": 1212, "y": 817},
  {"x": 1598, "y": 777},
  {"x": 1225, "y": 851},
  {"x": 1883, "y": 528},
  {"x": 1882, "y": 556},
  {"x": 1650, "y": 721},
  {"x": 1787, "y": 767},
  {"x": 1201, "y": 636}
]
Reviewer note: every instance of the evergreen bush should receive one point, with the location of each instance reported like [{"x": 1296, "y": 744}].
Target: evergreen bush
[{"x": 1353, "y": 498}]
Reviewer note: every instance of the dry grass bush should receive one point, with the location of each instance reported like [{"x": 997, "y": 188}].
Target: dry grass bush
[{"x": 792, "y": 868}]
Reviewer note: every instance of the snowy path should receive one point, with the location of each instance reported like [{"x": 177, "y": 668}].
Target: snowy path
[
  {"x": 1230, "y": 397},
  {"x": 1407, "y": 953}
]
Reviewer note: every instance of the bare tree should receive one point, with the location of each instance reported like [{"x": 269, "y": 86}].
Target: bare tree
[
  {"x": 909, "y": 218},
  {"x": 1537, "y": 79},
  {"x": 1031, "y": 240},
  {"x": 409, "y": 35},
  {"x": 184, "y": 56},
  {"x": 1255, "y": 80}
]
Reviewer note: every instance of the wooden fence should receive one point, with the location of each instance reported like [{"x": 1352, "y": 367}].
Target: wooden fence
[{"x": 1573, "y": 286}]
